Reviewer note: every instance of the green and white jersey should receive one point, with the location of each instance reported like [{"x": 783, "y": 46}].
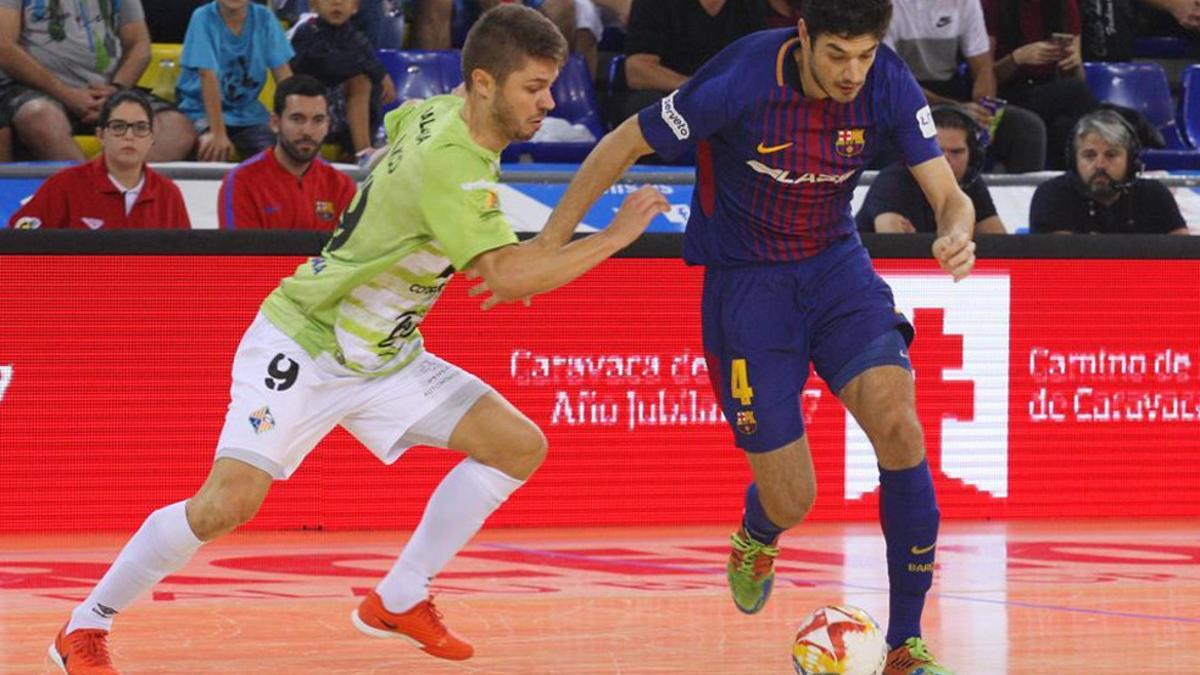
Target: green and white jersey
[{"x": 428, "y": 209}]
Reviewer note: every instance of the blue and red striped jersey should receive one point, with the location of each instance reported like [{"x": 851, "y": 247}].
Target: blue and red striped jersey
[{"x": 775, "y": 171}]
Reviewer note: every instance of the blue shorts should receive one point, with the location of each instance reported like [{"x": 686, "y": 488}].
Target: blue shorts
[{"x": 764, "y": 324}]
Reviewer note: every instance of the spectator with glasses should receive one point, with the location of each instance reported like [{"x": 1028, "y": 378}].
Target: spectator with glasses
[{"x": 116, "y": 189}]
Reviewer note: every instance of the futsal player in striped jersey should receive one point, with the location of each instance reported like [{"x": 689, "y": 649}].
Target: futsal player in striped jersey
[{"x": 783, "y": 122}]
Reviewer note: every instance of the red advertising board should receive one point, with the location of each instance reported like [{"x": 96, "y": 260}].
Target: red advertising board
[{"x": 1047, "y": 388}]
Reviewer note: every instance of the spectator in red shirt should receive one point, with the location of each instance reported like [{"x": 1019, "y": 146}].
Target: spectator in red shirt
[
  {"x": 116, "y": 189},
  {"x": 1039, "y": 65},
  {"x": 287, "y": 186}
]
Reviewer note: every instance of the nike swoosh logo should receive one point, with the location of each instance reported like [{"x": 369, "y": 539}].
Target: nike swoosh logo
[
  {"x": 917, "y": 550},
  {"x": 387, "y": 624},
  {"x": 768, "y": 149}
]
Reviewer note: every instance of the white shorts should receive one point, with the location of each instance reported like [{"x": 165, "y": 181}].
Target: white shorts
[{"x": 282, "y": 403}]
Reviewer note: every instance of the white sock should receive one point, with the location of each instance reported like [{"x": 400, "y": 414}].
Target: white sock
[
  {"x": 163, "y": 544},
  {"x": 455, "y": 512}
]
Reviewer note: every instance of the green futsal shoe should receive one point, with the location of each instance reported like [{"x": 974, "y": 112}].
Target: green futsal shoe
[{"x": 751, "y": 572}]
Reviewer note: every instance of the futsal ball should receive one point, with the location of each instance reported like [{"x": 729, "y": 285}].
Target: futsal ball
[{"x": 839, "y": 640}]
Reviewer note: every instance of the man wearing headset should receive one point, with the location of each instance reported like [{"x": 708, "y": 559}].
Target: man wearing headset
[
  {"x": 1101, "y": 192},
  {"x": 895, "y": 203}
]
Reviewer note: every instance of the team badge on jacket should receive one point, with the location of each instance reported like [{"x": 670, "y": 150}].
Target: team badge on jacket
[
  {"x": 325, "y": 210},
  {"x": 850, "y": 142}
]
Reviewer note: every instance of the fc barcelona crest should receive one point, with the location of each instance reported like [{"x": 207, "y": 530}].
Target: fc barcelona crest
[
  {"x": 850, "y": 142},
  {"x": 746, "y": 422},
  {"x": 325, "y": 210}
]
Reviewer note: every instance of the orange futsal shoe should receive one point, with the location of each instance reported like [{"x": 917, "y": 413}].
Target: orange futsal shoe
[
  {"x": 422, "y": 625},
  {"x": 83, "y": 652}
]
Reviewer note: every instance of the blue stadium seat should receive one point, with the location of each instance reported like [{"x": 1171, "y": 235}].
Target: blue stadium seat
[
  {"x": 1141, "y": 86},
  {"x": 1191, "y": 104},
  {"x": 615, "y": 80},
  {"x": 575, "y": 101},
  {"x": 575, "y": 96},
  {"x": 421, "y": 74},
  {"x": 1171, "y": 160}
]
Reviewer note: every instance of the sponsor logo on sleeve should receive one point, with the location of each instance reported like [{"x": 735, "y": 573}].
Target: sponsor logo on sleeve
[
  {"x": 27, "y": 223},
  {"x": 488, "y": 197},
  {"x": 679, "y": 126},
  {"x": 491, "y": 200},
  {"x": 925, "y": 121},
  {"x": 479, "y": 185}
]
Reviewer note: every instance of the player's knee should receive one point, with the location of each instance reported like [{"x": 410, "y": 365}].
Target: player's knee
[
  {"x": 900, "y": 442},
  {"x": 175, "y": 125},
  {"x": 533, "y": 447},
  {"x": 41, "y": 121},
  {"x": 522, "y": 452},
  {"x": 790, "y": 507},
  {"x": 211, "y": 518}
]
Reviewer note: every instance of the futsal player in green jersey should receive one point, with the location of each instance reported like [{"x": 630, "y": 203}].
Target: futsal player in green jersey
[{"x": 338, "y": 343}]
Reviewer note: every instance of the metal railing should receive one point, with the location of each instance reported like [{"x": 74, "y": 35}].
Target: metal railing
[{"x": 513, "y": 173}]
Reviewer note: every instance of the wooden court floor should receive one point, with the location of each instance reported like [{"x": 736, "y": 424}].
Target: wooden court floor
[{"x": 1011, "y": 597}]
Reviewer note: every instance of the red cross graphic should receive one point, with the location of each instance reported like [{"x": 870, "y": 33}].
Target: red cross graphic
[{"x": 933, "y": 353}]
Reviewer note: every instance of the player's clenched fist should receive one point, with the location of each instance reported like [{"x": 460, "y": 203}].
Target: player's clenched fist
[
  {"x": 636, "y": 212},
  {"x": 955, "y": 252}
]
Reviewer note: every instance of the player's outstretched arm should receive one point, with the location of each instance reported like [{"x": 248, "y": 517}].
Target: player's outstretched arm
[
  {"x": 607, "y": 162},
  {"x": 532, "y": 267},
  {"x": 955, "y": 215}
]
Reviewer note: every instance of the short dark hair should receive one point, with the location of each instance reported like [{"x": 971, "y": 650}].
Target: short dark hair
[
  {"x": 126, "y": 96},
  {"x": 954, "y": 117},
  {"x": 297, "y": 85},
  {"x": 505, "y": 36},
  {"x": 847, "y": 18}
]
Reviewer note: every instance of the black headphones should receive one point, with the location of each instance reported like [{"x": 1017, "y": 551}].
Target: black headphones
[
  {"x": 1133, "y": 146},
  {"x": 976, "y": 148}
]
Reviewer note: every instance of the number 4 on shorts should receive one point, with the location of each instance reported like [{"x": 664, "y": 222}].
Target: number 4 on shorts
[{"x": 739, "y": 382}]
